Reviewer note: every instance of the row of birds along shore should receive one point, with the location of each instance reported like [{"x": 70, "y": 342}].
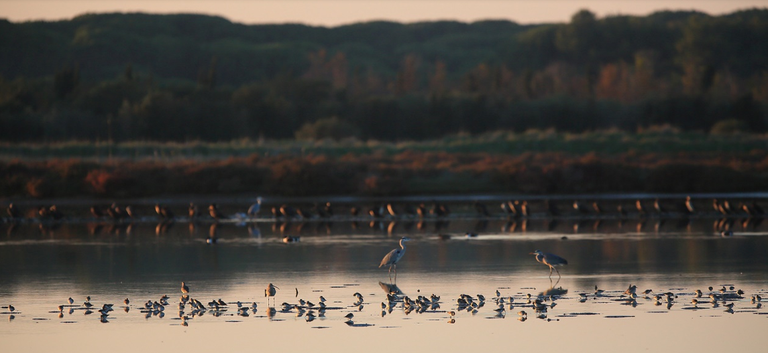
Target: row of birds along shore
[
  {"x": 510, "y": 209},
  {"x": 726, "y": 298}
]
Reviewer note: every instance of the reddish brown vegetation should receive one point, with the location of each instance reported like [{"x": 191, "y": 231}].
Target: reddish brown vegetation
[{"x": 409, "y": 172}]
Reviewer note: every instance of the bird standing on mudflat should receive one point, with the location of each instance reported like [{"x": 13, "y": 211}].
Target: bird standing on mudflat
[
  {"x": 270, "y": 291},
  {"x": 550, "y": 260},
  {"x": 394, "y": 256}
]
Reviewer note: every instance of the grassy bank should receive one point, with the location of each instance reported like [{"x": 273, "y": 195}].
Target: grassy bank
[
  {"x": 533, "y": 163},
  {"x": 659, "y": 140}
]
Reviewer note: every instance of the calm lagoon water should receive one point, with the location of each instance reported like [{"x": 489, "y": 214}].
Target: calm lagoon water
[{"x": 42, "y": 266}]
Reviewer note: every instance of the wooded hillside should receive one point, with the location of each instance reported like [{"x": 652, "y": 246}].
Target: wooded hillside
[{"x": 192, "y": 77}]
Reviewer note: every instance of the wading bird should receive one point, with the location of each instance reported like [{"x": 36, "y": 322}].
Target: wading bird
[
  {"x": 394, "y": 256},
  {"x": 253, "y": 211},
  {"x": 550, "y": 260},
  {"x": 184, "y": 288},
  {"x": 270, "y": 291},
  {"x": 13, "y": 211},
  {"x": 213, "y": 210}
]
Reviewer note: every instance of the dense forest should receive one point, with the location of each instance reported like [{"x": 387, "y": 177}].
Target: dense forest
[{"x": 127, "y": 77}]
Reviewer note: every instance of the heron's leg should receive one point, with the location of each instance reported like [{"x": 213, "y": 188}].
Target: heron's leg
[
  {"x": 395, "y": 273},
  {"x": 550, "y": 271},
  {"x": 558, "y": 272}
]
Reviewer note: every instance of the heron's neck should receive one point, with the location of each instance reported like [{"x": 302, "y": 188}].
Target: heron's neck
[{"x": 402, "y": 246}]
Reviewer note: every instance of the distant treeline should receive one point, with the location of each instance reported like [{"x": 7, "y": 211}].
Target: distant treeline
[{"x": 128, "y": 77}]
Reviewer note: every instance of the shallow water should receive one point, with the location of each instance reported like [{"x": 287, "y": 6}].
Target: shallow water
[{"x": 43, "y": 265}]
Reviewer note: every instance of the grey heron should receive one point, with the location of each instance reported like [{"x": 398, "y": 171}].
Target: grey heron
[
  {"x": 394, "y": 256},
  {"x": 550, "y": 260},
  {"x": 253, "y": 211}
]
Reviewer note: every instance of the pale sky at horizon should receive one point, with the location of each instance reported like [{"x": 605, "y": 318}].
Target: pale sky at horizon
[{"x": 339, "y": 12}]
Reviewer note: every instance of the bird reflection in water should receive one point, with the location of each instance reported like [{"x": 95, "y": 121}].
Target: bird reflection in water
[
  {"x": 554, "y": 292},
  {"x": 390, "y": 288},
  {"x": 163, "y": 228},
  {"x": 254, "y": 231},
  {"x": 212, "y": 233}
]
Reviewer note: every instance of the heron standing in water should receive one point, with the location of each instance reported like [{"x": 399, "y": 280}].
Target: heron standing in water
[
  {"x": 550, "y": 260},
  {"x": 253, "y": 211},
  {"x": 393, "y": 257}
]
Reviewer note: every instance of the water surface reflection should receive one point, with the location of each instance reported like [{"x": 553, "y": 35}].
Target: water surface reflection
[{"x": 43, "y": 265}]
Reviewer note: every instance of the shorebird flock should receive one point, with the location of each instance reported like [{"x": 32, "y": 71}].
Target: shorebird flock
[
  {"x": 728, "y": 216},
  {"x": 509, "y": 209},
  {"x": 352, "y": 312}
]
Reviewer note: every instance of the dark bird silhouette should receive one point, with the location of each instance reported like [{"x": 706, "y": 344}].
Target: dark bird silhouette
[
  {"x": 13, "y": 211},
  {"x": 439, "y": 210},
  {"x": 328, "y": 209},
  {"x": 657, "y": 207},
  {"x": 722, "y": 207},
  {"x": 391, "y": 210},
  {"x": 287, "y": 211},
  {"x": 640, "y": 207},
  {"x": 578, "y": 206},
  {"x": 506, "y": 209},
  {"x": 54, "y": 213},
  {"x": 726, "y": 206},
  {"x": 621, "y": 210},
  {"x": 215, "y": 213},
  {"x": 375, "y": 211},
  {"x": 320, "y": 210},
  {"x": 96, "y": 211},
  {"x": 129, "y": 212},
  {"x": 421, "y": 211},
  {"x": 689, "y": 205},
  {"x": 163, "y": 212},
  {"x": 192, "y": 211},
  {"x": 43, "y": 212},
  {"x": 597, "y": 207},
  {"x": 115, "y": 212}
]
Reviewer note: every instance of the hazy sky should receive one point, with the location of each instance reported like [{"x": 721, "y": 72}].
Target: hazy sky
[{"x": 337, "y": 12}]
